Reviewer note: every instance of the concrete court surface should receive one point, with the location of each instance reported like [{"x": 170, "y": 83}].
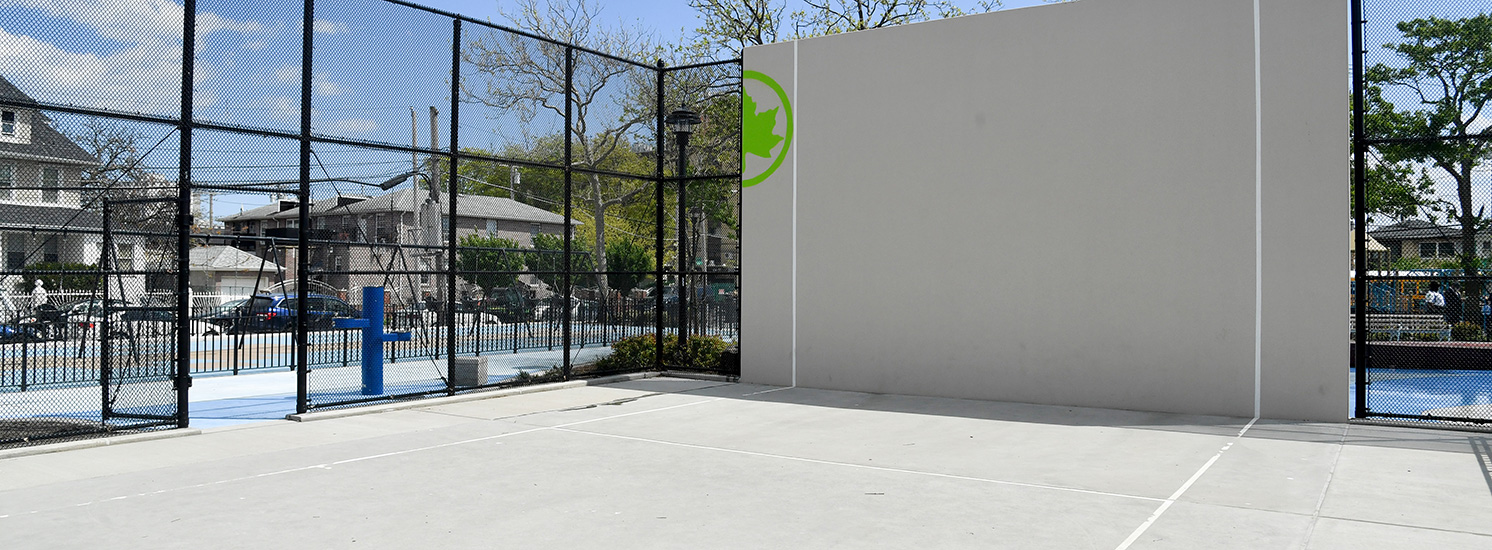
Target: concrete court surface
[{"x": 675, "y": 463}]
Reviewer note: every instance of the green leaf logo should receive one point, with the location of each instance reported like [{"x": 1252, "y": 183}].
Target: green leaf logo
[
  {"x": 760, "y": 130},
  {"x": 756, "y": 129}
]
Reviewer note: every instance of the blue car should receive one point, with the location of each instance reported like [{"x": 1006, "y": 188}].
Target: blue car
[{"x": 277, "y": 312}]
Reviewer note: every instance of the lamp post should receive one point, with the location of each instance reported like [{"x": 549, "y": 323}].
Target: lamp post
[{"x": 682, "y": 122}]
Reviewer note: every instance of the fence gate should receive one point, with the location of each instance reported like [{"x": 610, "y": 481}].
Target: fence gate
[
  {"x": 1422, "y": 244},
  {"x": 137, "y": 329}
]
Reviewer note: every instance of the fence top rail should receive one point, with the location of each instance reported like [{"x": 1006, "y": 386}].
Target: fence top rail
[{"x": 527, "y": 34}]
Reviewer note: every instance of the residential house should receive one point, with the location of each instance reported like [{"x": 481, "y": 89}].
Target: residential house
[
  {"x": 41, "y": 215},
  {"x": 1427, "y": 240},
  {"x": 228, "y": 271},
  {"x": 399, "y": 218}
]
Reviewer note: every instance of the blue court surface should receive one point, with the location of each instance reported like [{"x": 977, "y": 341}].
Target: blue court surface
[{"x": 1463, "y": 393}]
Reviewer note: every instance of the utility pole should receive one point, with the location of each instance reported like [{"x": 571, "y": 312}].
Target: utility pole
[
  {"x": 432, "y": 221},
  {"x": 414, "y": 140}
]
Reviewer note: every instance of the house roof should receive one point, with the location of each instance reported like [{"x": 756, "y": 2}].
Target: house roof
[
  {"x": 47, "y": 144},
  {"x": 1416, "y": 230},
  {"x": 38, "y": 216},
  {"x": 467, "y": 206},
  {"x": 227, "y": 258}
]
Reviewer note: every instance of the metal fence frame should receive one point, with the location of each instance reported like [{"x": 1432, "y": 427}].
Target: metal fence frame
[
  {"x": 186, "y": 124},
  {"x": 1369, "y": 287}
]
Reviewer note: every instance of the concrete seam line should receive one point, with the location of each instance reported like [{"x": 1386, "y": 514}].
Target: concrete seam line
[
  {"x": 103, "y": 441},
  {"x": 863, "y": 466},
  {"x": 1134, "y": 536},
  {"x": 462, "y": 398},
  {"x": 328, "y": 465},
  {"x": 1325, "y": 487}
]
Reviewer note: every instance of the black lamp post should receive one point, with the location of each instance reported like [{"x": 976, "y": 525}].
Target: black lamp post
[{"x": 682, "y": 123}]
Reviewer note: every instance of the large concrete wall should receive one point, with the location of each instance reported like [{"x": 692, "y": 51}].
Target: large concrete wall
[{"x": 1062, "y": 204}]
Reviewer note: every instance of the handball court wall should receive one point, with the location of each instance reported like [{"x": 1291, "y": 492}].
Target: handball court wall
[{"x": 1131, "y": 204}]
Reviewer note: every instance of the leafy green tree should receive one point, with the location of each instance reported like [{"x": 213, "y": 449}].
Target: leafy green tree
[
  {"x": 627, "y": 255},
  {"x": 1444, "y": 68},
  {"x": 549, "y": 259},
  {"x": 480, "y": 253}
]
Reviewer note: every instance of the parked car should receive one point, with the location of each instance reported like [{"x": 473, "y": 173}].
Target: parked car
[
  {"x": 18, "y": 331},
  {"x": 419, "y": 314},
  {"x": 277, "y": 312}
]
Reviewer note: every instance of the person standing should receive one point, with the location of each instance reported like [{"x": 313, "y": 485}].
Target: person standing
[
  {"x": 38, "y": 296},
  {"x": 1453, "y": 311}
]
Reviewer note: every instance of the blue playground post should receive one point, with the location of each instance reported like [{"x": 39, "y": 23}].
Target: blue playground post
[{"x": 373, "y": 338}]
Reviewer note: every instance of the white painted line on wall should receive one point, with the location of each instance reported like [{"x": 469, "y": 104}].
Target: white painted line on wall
[
  {"x": 1258, "y": 218},
  {"x": 1258, "y": 294},
  {"x": 1182, "y": 490},
  {"x": 798, "y": 144}
]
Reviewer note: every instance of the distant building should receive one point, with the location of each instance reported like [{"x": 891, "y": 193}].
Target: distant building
[
  {"x": 40, "y": 211},
  {"x": 1426, "y": 240},
  {"x": 393, "y": 218}
]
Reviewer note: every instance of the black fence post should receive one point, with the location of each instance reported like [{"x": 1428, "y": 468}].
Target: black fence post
[
  {"x": 569, "y": 224},
  {"x": 450, "y": 309},
  {"x": 105, "y": 351},
  {"x": 658, "y": 223},
  {"x": 183, "y": 377},
  {"x": 1360, "y": 218},
  {"x": 302, "y": 261}
]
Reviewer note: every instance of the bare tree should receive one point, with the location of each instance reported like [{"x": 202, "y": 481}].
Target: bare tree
[
  {"x": 527, "y": 76},
  {"x": 119, "y": 175}
]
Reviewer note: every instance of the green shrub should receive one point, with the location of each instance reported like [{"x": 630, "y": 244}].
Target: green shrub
[
  {"x": 1424, "y": 337},
  {"x": 71, "y": 277},
  {"x": 636, "y": 353},
  {"x": 1467, "y": 332}
]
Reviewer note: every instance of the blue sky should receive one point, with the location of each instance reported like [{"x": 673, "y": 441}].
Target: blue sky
[
  {"x": 374, "y": 61},
  {"x": 665, "y": 17}
]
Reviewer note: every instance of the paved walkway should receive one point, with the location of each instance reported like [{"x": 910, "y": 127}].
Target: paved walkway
[{"x": 674, "y": 463}]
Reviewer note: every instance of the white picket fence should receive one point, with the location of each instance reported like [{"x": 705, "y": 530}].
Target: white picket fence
[{"x": 15, "y": 304}]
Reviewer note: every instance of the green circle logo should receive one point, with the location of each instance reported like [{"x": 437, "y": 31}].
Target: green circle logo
[{"x": 759, "y": 133}]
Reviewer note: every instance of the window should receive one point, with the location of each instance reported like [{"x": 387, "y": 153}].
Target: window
[
  {"x": 533, "y": 230},
  {"x": 1432, "y": 250},
  {"x": 445, "y": 228},
  {"x": 15, "y": 251},
  {"x": 7, "y": 179},
  {"x": 491, "y": 228},
  {"x": 49, "y": 183},
  {"x": 50, "y": 251},
  {"x": 8, "y": 123}
]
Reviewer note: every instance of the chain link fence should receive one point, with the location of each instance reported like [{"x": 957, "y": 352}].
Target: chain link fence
[
  {"x": 1422, "y": 182},
  {"x": 212, "y": 188}
]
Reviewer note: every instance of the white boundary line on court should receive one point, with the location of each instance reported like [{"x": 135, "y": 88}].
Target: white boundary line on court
[
  {"x": 329, "y": 465},
  {"x": 864, "y": 466},
  {"x": 1181, "y": 490},
  {"x": 1258, "y": 295}
]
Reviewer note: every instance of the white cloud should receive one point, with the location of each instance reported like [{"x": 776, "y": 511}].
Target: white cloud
[
  {"x": 139, "y": 70},
  {"x": 323, "y": 26},
  {"x": 326, "y": 87},
  {"x": 287, "y": 73},
  {"x": 348, "y": 126}
]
